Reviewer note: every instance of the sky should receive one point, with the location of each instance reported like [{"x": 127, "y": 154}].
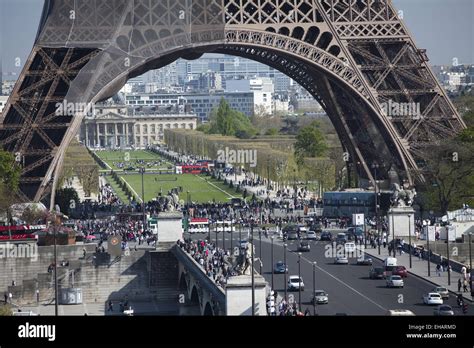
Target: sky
[{"x": 444, "y": 27}]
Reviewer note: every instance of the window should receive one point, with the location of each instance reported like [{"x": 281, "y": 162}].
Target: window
[
  {"x": 145, "y": 129},
  {"x": 152, "y": 129},
  {"x": 191, "y": 126}
]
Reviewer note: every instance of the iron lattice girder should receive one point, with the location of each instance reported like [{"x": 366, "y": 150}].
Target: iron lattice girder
[{"x": 85, "y": 50}]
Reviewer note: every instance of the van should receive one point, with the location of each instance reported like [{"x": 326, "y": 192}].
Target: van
[{"x": 390, "y": 263}]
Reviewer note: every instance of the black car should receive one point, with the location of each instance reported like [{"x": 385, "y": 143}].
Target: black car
[
  {"x": 376, "y": 273},
  {"x": 316, "y": 227},
  {"x": 292, "y": 236},
  {"x": 304, "y": 246},
  {"x": 280, "y": 268},
  {"x": 326, "y": 236}
]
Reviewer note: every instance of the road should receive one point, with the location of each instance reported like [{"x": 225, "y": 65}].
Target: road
[{"x": 349, "y": 287}]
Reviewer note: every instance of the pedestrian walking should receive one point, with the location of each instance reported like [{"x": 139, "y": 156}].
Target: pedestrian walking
[
  {"x": 438, "y": 270},
  {"x": 10, "y": 297},
  {"x": 111, "y": 306},
  {"x": 37, "y": 296},
  {"x": 5, "y": 296},
  {"x": 460, "y": 283},
  {"x": 464, "y": 286}
]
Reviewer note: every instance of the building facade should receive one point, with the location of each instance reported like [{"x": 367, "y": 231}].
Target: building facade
[
  {"x": 200, "y": 104},
  {"x": 120, "y": 127}
]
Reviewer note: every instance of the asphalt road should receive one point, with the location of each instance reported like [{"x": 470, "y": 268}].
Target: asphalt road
[{"x": 349, "y": 287}]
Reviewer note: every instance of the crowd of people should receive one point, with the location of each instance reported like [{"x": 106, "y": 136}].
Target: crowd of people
[{"x": 212, "y": 259}]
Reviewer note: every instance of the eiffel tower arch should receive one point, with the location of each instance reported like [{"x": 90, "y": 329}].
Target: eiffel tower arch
[{"x": 354, "y": 56}]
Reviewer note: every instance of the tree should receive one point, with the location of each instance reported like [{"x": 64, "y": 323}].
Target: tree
[
  {"x": 229, "y": 122},
  {"x": 64, "y": 196},
  {"x": 449, "y": 169},
  {"x": 89, "y": 177},
  {"x": 271, "y": 132},
  {"x": 9, "y": 182},
  {"x": 32, "y": 214},
  {"x": 310, "y": 142}
]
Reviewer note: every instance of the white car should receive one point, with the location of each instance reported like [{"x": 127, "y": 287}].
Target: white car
[
  {"x": 341, "y": 260},
  {"x": 433, "y": 298},
  {"x": 442, "y": 291},
  {"x": 311, "y": 235},
  {"x": 320, "y": 297},
  {"x": 295, "y": 282},
  {"x": 395, "y": 281}
]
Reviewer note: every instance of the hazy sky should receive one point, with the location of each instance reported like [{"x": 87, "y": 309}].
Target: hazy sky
[{"x": 444, "y": 27}]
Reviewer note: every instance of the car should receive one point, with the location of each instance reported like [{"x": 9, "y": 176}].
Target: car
[
  {"x": 442, "y": 291},
  {"x": 444, "y": 310},
  {"x": 355, "y": 231},
  {"x": 433, "y": 298},
  {"x": 304, "y": 246},
  {"x": 326, "y": 236},
  {"x": 295, "y": 283},
  {"x": 376, "y": 273},
  {"x": 316, "y": 227},
  {"x": 341, "y": 260},
  {"x": 320, "y": 297},
  {"x": 341, "y": 238},
  {"x": 311, "y": 235},
  {"x": 400, "y": 313},
  {"x": 280, "y": 268},
  {"x": 292, "y": 236},
  {"x": 395, "y": 281},
  {"x": 365, "y": 260},
  {"x": 400, "y": 271},
  {"x": 302, "y": 230}
]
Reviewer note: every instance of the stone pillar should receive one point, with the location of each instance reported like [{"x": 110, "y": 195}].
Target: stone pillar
[
  {"x": 87, "y": 133},
  {"x": 170, "y": 227},
  {"x": 239, "y": 295},
  {"x": 97, "y": 135},
  {"x": 401, "y": 219},
  {"x": 116, "y": 136}
]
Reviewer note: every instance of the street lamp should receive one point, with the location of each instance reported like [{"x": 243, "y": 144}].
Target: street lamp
[
  {"x": 447, "y": 252},
  {"x": 272, "y": 237},
  {"x": 231, "y": 234},
  {"x": 299, "y": 280},
  {"x": 393, "y": 236},
  {"x": 375, "y": 166},
  {"x": 252, "y": 270},
  {"x": 314, "y": 287},
  {"x": 142, "y": 172},
  {"x": 428, "y": 247},
  {"x": 409, "y": 237},
  {"x": 286, "y": 266},
  {"x": 260, "y": 249},
  {"x": 470, "y": 252}
]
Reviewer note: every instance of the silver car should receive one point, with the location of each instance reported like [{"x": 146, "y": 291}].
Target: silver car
[
  {"x": 395, "y": 281},
  {"x": 444, "y": 310},
  {"x": 442, "y": 291},
  {"x": 320, "y": 297}
]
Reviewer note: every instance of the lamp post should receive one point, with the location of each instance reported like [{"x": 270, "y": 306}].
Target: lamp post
[
  {"x": 252, "y": 270},
  {"x": 231, "y": 234},
  {"x": 428, "y": 251},
  {"x": 216, "y": 235},
  {"x": 409, "y": 237},
  {"x": 375, "y": 166},
  {"x": 56, "y": 294},
  {"x": 470, "y": 252},
  {"x": 260, "y": 249},
  {"x": 299, "y": 280},
  {"x": 447, "y": 252},
  {"x": 284, "y": 261},
  {"x": 272, "y": 237},
  {"x": 393, "y": 237},
  {"x": 142, "y": 171},
  {"x": 314, "y": 287}
]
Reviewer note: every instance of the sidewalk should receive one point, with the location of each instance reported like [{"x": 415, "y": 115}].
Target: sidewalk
[{"x": 420, "y": 269}]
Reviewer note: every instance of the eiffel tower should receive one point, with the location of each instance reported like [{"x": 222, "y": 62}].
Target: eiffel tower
[{"x": 354, "y": 56}]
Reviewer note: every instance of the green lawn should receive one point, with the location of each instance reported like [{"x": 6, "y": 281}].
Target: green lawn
[
  {"x": 129, "y": 158},
  {"x": 200, "y": 190}
]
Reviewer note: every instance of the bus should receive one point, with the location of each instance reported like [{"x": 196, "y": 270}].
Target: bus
[
  {"x": 20, "y": 232},
  {"x": 198, "y": 225},
  {"x": 225, "y": 226},
  {"x": 192, "y": 169}
]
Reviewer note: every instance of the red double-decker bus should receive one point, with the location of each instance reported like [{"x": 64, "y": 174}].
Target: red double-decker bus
[
  {"x": 198, "y": 168},
  {"x": 20, "y": 232}
]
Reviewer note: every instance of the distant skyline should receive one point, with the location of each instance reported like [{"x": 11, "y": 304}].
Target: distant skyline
[{"x": 444, "y": 27}]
